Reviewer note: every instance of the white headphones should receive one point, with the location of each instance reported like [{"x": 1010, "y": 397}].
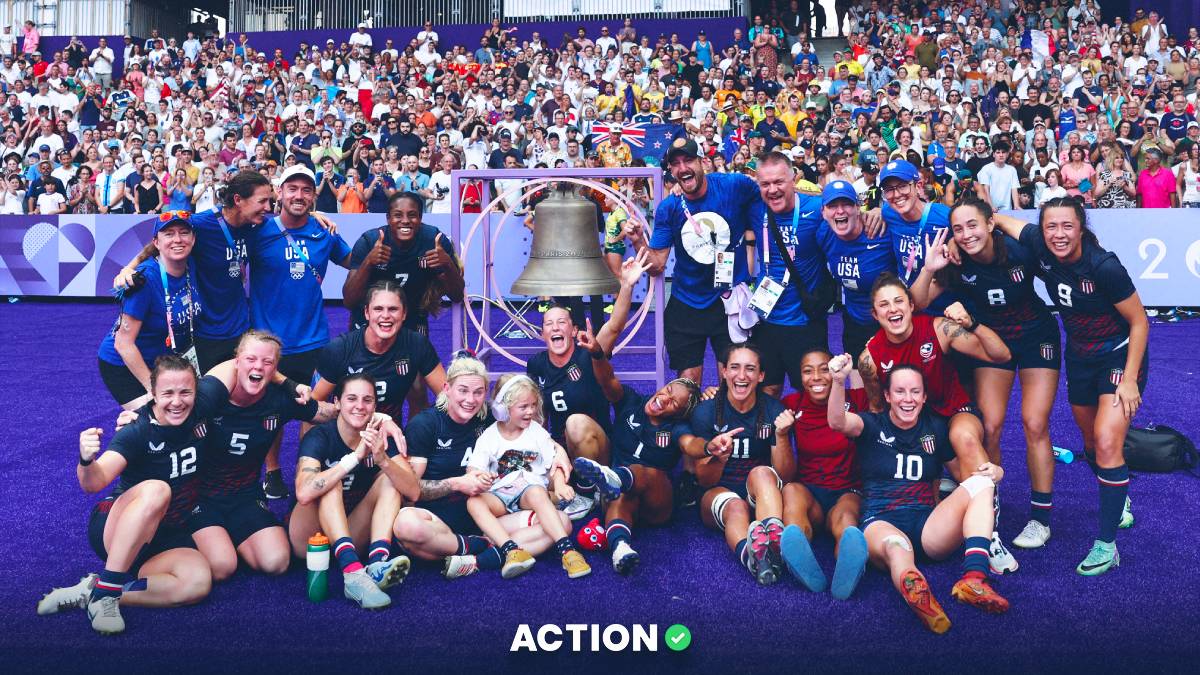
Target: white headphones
[{"x": 499, "y": 410}]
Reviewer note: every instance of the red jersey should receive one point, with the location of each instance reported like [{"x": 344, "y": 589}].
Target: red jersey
[
  {"x": 824, "y": 457},
  {"x": 923, "y": 351}
]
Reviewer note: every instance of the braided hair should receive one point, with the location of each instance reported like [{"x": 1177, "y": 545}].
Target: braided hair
[{"x": 723, "y": 389}]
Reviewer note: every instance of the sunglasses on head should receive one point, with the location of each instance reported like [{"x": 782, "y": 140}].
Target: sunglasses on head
[{"x": 167, "y": 216}]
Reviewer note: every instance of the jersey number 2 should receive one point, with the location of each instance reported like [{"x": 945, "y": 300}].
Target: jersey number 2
[{"x": 183, "y": 462}]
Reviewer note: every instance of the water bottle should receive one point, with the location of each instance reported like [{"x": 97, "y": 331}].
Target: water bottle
[
  {"x": 318, "y": 567},
  {"x": 1063, "y": 455}
]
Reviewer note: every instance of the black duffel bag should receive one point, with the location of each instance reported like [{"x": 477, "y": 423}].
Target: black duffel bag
[{"x": 1159, "y": 448}]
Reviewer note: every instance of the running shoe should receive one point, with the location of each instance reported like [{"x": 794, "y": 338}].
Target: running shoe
[
  {"x": 575, "y": 565},
  {"x": 975, "y": 590},
  {"x": 516, "y": 563},
  {"x": 604, "y": 478},
  {"x": 624, "y": 558},
  {"x": 759, "y": 544},
  {"x": 273, "y": 485},
  {"x": 360, "y": 587},
  {"x": 68, "y": 597},
  {"x": 457, "y": 566},
  {"x": 1100, "y": 559},
  {"x": 851, "y": 563},
  {"x": 388, "y": 573},
  {"x": 1035, "y": 535},
  {"x": 578, "y": 508},
  {"x": 105, "y": 615},
  {"x": 1000, "y": 560},
  {"x": 919, "y": 598},
  {"x": 687, "y": 490},
  {"x": 1126, "y": 515},
  {"x": 798, "y": 556}
]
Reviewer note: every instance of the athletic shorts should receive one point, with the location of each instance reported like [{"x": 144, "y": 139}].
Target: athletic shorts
[
  {"x": 211, "y": 351},
  {"x": 510, "y": 495},
  {"x": 970, "y": 409},
  {"x": 909, "y": 521},
  {"x": 1041, "y": 348},
  {"x": 452, "y": 512},
  {"x": 782, "y": 347},
  {"x": 1087, "y": 381},
  {"x": 165, "y": 538},
  {"x": 827, "y": 497},
  {"x": 855, "y": 335},
  {"x": 300, "y": 367},
  {"x": 688, "y": 331},
  {"x": 242, "y": 514},
  {"x": 121, "y": 383}
]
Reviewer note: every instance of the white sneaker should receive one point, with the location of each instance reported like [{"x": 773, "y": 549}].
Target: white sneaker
[
  {"x": 105, "y": 615},
  {"x": 579, "y": 507},
  {"x": 1035, "y": 535},
  {"x": 1001, "y": 561},
  {"x": 68, "y": 597},
  {"x": 360, "y": 587},
  {"x": 624, "y": 558},
  {"x": 457, "y": 566}
]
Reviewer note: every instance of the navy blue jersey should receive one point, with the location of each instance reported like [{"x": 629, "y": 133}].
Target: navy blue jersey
[
  {"x": 238, "y": 438},
  {"x": 324, "y": 443},
  {"x": 1002, "y": 293},
  {"x": 286, "y": 296},
  {"x": 798, "y": 232},
  {"x": 442, "y": 445},
  {"x": 394, "y": 371},
  {"x": 751, "y": 447},
  {"x": 148, "y": 304},
  {"x": 1086, "y": 293},
  {"x": 637, "y": 440},
  {"x": 568, "y": 390},
  {"x": 404, "y": 267},
  {"x": 856, "y": 265},
  {"x": 900, "y": 467},
  {"x": 173, "y": 455},
  {"x": 727, "y": 200},
  {"x": 219, "y": 275},
  {"x": 908, "y": 238}
]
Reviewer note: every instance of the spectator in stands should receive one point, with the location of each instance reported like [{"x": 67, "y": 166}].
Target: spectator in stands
[{"x": 1156, "y": 185}]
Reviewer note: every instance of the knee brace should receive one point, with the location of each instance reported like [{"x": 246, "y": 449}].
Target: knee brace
[
  {"x": 976, "y": 484},
  {"x": 718, "y": 507}
]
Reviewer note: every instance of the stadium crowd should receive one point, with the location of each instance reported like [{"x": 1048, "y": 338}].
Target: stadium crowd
[{"x": 1019, "y": 103}]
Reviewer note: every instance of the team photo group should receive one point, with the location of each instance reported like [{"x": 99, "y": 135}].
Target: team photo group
[{"x": 872, "y": 191}]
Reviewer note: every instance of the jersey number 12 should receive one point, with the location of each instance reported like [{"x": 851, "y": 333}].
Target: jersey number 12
[{"x": 183, "y": 462}]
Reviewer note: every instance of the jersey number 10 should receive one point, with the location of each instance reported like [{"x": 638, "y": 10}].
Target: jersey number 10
[{"x": 908, "y": 467}]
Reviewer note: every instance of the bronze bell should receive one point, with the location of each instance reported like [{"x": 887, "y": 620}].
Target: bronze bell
[{"x": 565, "y": 258}]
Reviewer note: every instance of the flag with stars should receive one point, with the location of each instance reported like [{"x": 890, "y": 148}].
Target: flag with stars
[{"x": 652, "y": 140}]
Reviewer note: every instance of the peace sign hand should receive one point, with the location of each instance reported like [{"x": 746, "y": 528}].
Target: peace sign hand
[
  {"x": 633, "y": 268},
  {"x": 936, "y": 257},
  {"x": 586, "y": 339}
]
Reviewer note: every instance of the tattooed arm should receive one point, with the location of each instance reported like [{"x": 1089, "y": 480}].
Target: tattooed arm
[
  {"x": 326, "y": 411},
  {"x": 870, "y": 381},
  {"x": 959, "y": 331},
  {"x": 312, "y": 483}
]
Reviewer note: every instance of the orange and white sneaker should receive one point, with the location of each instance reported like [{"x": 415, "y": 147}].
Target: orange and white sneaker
[
  {"x": 975, "y": 590},
  {"x": 920, "y": 599}
]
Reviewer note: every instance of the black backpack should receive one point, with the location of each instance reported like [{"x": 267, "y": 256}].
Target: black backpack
[{"x": 1160, "y": 449}]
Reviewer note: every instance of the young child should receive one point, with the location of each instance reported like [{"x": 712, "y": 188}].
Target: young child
[{"x": 523, "y": 461}]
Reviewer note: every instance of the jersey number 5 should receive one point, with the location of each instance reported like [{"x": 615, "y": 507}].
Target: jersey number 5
[
  {"x": 237, "y": 443},
  {"x": 183, "y": 462}
]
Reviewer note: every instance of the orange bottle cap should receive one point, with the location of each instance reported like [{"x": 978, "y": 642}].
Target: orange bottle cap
[{"x": 318, "y": 539}]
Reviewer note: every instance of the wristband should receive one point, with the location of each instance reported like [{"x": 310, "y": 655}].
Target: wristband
[
  {"x": 600, "y": 355},
  {"x": 707, "y": 452},
  {"x": 973, "y": 326},
  {"x": 85, "y": 462},
  {"x": 291, "y": 386},
  {"x": 348, "y": 461}
]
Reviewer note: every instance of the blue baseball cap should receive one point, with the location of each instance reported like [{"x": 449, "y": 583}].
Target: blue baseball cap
[
  {"x": 899, "y": 168},
  {"x": 939, "y": 165},
  {"x": 838, "y": 189},
  {"x": 168, "y": 218}
]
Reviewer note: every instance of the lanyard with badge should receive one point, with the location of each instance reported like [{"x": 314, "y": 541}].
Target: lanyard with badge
[
  {"x": 722, "y": 260},
  {"x": 768, "y": 292},
  {"x": 299, "y": 252},
  {"x": 172, "y": 344},
  {"x": 237, "y": 265}
]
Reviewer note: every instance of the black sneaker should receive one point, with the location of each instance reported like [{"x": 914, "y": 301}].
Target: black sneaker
[
  {"x": 687, "y": 490},
  {"x": 274, "y": 486}
]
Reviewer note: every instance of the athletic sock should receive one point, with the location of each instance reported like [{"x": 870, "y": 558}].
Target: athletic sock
[
  {"x": 110, "y": 585},
  {"x": 584, "y": 486},
  {"x": 490, "y": 559},
  {"x": 626, "y": 477},
  {"x": 1114, "y": 487},
  {"x": 471, "y": 544},
  {"x": 564, "y": 545},
  {"x": 347, "y": 557},
  {"x": 617, "y": 532},
  {"x": 975, "y": 555},
  {"x": 508, "y": 546},
  {"x": 743, "y": 553},
  {"x": 379, "y": 551},
  {"x": 1039, "y": 506}
]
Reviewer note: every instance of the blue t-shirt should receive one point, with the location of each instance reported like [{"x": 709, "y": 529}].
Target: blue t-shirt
[
  {"x": 856, "y": 265},
  {"x": 219, "y": 276},
  {"x": 286, "y": 295},
  {"x": 149, "y": 305},
  {"x": 727, "y": 200},
  {"x": 798, "y": 231},
  {"x": 910, "y": 237}
]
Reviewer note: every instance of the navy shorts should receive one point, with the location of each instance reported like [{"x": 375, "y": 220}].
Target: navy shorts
[
  {"x": 165, "y": 538},
  {"x": 782, "y": 347},
  {"x": 1087, "y": 381},
  {"x": 452, "y": 512},
  {"x": 242, "y": 515},
  {"x": 909, "y": 521},
  {"x": 828, "y": 498},
  {"x": 855, "y": 335},
  {"x": 688, "y": 331},
  {"x": 121, "y": 383},
  {"x": 211, "y": 352},
  {"x": 300, "y": 367},
  {"x": 1041, "y": 348}
]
